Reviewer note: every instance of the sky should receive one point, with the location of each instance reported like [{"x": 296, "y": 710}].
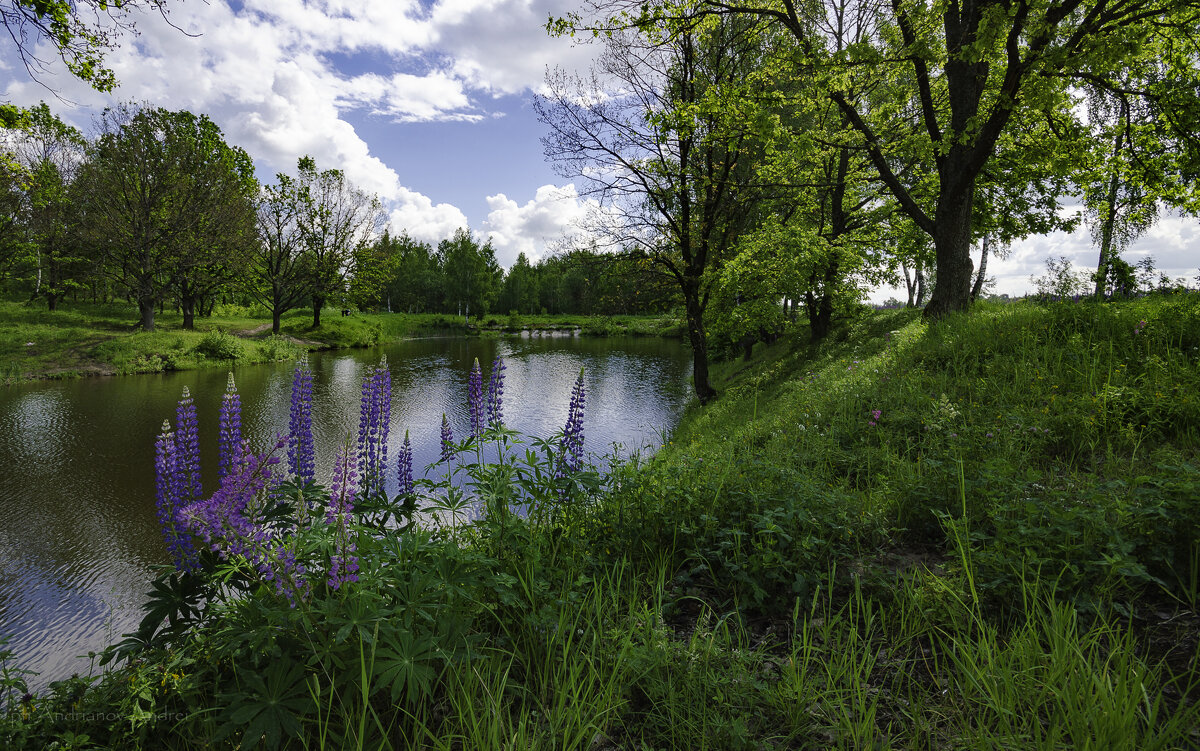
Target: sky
[{"x": 426, "y": 104}]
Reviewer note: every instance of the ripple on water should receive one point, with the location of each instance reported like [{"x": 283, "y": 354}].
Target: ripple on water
[
  {"x": 37, "y": 427},
  {"x": 78, "y": 533}
]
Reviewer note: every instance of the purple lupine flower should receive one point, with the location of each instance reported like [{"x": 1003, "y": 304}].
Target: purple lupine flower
[
  {"x": 374, "y": 414},
  {"x": 384, "y": 377},
  {"x": 572, "y": 440},
  {"x": 301, "y": 453},
  {"x": 229, "y": 433},
  {"x": 475, "y": 399},
  {"x": 875, "y": 415},
  {"x": 225, "y": 522},
  {"x": 343, "y": 564},
  {"x": 447, "y": 440},
  {"x": 1140, "y": 326},
  {"x": 166, "y": 501},
  {"x": 187, "y": 450},
  {"x": 343, "y": 487},
  {"x": 404, "y": 467},
  {"x": 495, "y": 394}
]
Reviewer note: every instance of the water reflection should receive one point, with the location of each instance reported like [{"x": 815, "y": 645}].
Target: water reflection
[{"x": 78, "y": 536}]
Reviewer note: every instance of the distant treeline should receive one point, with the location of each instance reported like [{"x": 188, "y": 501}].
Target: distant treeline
[
  {"x": 157, "y": 209},
  {"x": 461, "y": 275}
]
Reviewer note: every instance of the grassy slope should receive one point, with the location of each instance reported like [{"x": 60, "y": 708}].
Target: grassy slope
[
  {"x": 981, "y": 517},
  {"x": 1007, "y": 558}
]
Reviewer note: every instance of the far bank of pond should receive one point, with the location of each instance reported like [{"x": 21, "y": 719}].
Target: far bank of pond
[
  {"x": 78, "y": 535},
  {"x": 95, "y": 339}
]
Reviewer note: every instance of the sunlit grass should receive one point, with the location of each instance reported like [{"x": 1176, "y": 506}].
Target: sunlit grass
[{"x": 981, "y": 533}]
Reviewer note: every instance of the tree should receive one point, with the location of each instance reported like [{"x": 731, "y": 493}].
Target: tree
[
  {"x": 223, "y": 235},
  {"x": 278, "y": 271},
  {"x": 375, "y": 267},
  {"x": 161, "y": 195},
  {"x": 471, "y": 274},
  {"x": 79, "y": 31},
  {"x": 821, "y": 180},
  {"x": 1144, "y": 155},
  {"x": 336, "y": 220},
  {"x": 657, "y": 134},
  {"x": 416, "y": 284},
  {"x": 967, "y": 67},
  {"x": 520, "y": 291},
  {"x": 48, "y": 153},
  {"x": 12, "y": 232}
]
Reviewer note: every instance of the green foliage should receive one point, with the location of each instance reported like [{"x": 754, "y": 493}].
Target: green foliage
[
  {"x": 471, "y": 275},
  {"x": 980, "y": 533},
  {"x": 166, "y": 205},
  {"x": 80, "y": 38},
  {"x": 338, "y": 331},
  {"x": 1061, "y": 280},
  {"x": 219, "y": 345},
  {"x": 335, "y": 221}
]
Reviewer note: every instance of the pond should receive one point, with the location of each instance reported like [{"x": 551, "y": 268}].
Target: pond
[{"x": 78, "y": 534}]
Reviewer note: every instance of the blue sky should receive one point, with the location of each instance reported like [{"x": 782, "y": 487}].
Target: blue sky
[{"x": 426, "y": 104}]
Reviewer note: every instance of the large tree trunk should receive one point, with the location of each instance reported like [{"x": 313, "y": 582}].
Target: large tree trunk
[
  {"x": 952, "y": 248},
  {"x": 146, "y": 309},
  {"x": 318, "y": 303},
  {"x": 820, "y": 310},
  {"x": 276, "y": 314},
  {"x": 187, "y": 304},
  {"x": 699, "y": 341}
]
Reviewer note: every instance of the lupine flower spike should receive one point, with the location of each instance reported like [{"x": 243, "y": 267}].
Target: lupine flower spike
[
  {"x": 572, "y": 440},
  {"x": 404, "y": 468},
  {"x": 166, "y": 500},
  {"x": 301, "y": 453},
  {"x": 495, "y": 395},
  {"x": 447, "y": 440},
  {"x": 374, "y": 414},
  {"x": 343, "y": 564},
  {"x": 475, "y": 399},
  {"x": 187, "y": 450},
  {"x": 229, "y": 440}
]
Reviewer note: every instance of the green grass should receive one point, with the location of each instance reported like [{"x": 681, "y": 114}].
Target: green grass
[
  {"x": 89, "y": 339},
  {"x": 1007, "y": 558}
]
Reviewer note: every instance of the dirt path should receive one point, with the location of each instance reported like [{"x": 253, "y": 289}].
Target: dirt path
[
  {"x": 265, "y": 328},
  {"x": 254, "y": 331}
]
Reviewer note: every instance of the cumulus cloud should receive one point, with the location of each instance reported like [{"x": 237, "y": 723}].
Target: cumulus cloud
[
  {"x": 281, "y": 77},
  {"x": 415, "y": 214},
  {"x": 531, "y": 227}
]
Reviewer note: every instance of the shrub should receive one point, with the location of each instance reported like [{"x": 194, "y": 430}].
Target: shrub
[{"x": 218, "y": 345}]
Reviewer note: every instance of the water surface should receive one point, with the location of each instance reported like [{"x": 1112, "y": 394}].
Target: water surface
[{"x": 78, "y": 535}]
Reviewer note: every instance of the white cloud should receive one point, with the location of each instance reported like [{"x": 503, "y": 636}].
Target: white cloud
[
  {"x": 501, "y": 46},
  {"x": 422, "y": 219},
  {"x": 268, "y": 75},
  {"x": 530, "y": 228},
  {"x": 408, "y": 98}
]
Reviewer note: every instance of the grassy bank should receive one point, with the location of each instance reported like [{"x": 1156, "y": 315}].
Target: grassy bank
[
  {"x": 83, "y": 339},
  {"x": 983, "y": 533}
]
